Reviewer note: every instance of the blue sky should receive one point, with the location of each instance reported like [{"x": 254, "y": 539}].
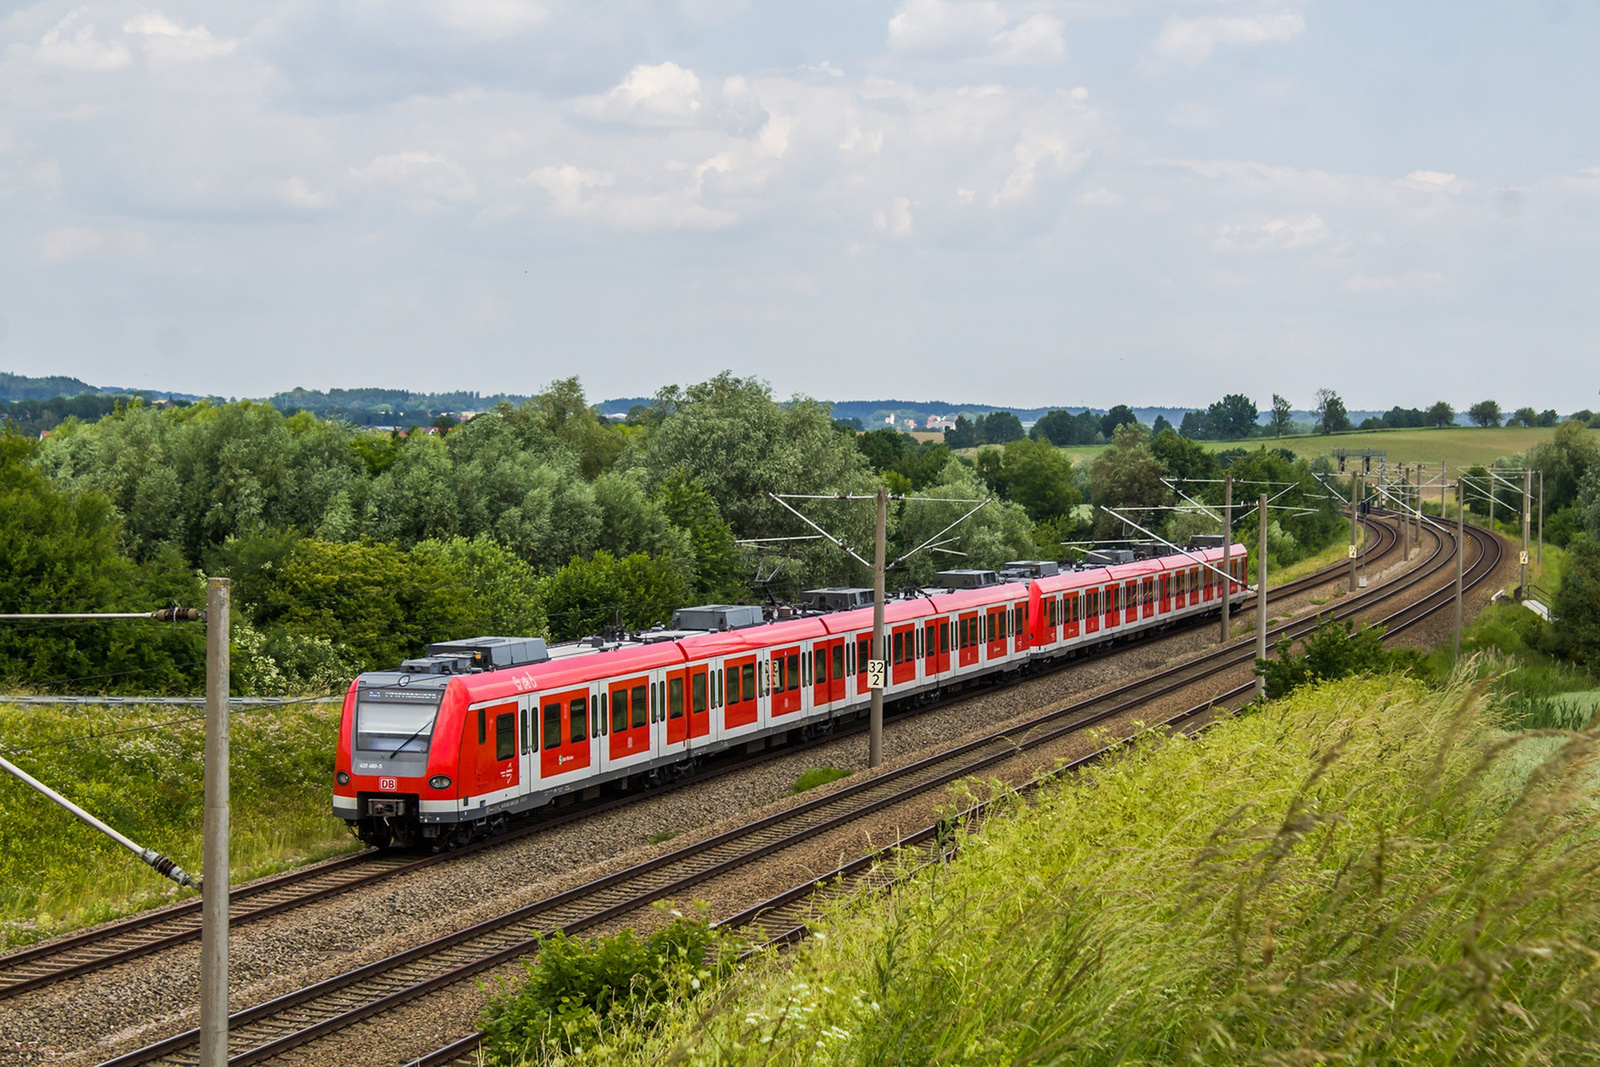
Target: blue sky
[{"x": 1002, "y": 201}]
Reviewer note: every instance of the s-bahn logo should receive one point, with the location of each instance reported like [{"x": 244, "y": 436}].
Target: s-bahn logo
[{"x": 388, "y": 785}]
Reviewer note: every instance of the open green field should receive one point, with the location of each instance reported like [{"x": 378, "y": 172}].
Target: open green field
[{"x": 1459, "y": 446}]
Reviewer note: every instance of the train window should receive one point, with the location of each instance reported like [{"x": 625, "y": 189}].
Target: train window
[
  {"x": 778, "y": 675},
  {"x": 794, "y": 670},
  {"x": 716, "y": 687},
  {"x": 505, "y": 736},
  {"x": 944, "y": 637},
  {"x": 579, "y": 725},
  {"x": 899, "y": 648},
  {"x": 524, "y": 731},
  {"x": 732, "y": 685},
  {"x": 748, "y": 674},
  {"x": 641, "y": 707},
  {"x": 838, "y": 662},
  {"x": 805, "y": 670},
  {"x": 819, "y": 666},
  {"x": 619, "y": 711},
  {"x": 483, "y": 728},
  {"x": 595, "y": 718},
  {"x": 697, "y": 692},
  {"x": 675, "y": 698},
  {"x": 922, "y": 640},
  {"x": 552, "y": 725}
]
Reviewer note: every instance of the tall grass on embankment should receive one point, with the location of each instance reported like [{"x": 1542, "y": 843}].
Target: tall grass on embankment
[
  {"x": 1366, "y": 872},
  {"x": 57, "y": 874}
]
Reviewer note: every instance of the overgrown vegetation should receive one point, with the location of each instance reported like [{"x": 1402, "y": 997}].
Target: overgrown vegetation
[
  {"x": 815, "y": 776},
  {"x": 1334, "y": 650},
  {"x": 1369, "y": 871},
  {"x": 580, "y": 992},
  {"x": 56, "y": 873}
]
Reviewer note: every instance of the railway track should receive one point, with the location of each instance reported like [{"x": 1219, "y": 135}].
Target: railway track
[
  {"x": 322, "y": 1010},
  {"x": 41, "y": 965}
]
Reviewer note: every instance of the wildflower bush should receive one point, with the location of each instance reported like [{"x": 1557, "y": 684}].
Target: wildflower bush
[
  {"x": 56, "y": 873},
  {"x": 595, "y": 998},
  {"x": 1369, "y": 871}
]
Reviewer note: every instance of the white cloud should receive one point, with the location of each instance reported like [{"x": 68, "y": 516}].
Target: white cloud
[
  {"x": 1278, "y": 235},
  {"x": 1101, "y": 197},
  {"x": 1189, "y": 42},
  {"x": 72, "y": 45},
  {"x": 429, "y": 177},
  {"x": 667, "y": 95},
  {"x": 168, "y": 42},
  {"x": 77, "y": 242},
  {"x": 1434, "y": 179},
  {"x": 894, "y": 220},
  {"x": 975, "y": 30},
  {"x": 1410, "y": 281},
  {"x": 1193, "y": 115},
  {"x": 490, "y": 19}
]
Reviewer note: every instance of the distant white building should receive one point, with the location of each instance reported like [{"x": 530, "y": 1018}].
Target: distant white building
[{"x": 941, "y": 422}]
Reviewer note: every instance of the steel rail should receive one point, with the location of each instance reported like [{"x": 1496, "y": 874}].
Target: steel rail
[
  {"x": 140, "y": 935},
  {"x": 594, "y": 905}
]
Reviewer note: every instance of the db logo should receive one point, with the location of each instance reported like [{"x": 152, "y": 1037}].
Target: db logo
[{"x": 388, "y": 785}]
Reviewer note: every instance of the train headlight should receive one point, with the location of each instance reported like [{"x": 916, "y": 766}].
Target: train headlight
[
  {"x": 343, "y": 777},
  {"x": 439, "y": 781}
]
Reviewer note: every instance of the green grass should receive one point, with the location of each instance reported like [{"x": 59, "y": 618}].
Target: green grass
[
  {"x": 1366, "y": 872},
  {"x": 1459, "y": 446},
  {"x": 56, "y": 873},
  {"x": 816, "y": 776}
]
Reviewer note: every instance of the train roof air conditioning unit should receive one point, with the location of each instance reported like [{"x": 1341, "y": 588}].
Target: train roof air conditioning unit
[
  {"x": 490, "y": 653},
  {"x": 836, "y": 598},
  {"x": 717, "y": 617},
  {"x": 966, "y": 579}
]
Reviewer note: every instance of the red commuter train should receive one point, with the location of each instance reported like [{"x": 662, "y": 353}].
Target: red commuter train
[{"x": 445, "y": 748}]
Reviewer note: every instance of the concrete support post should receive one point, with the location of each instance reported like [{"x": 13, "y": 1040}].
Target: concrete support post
[
  {"x": 1527, "y": 525},
  {"x": 879, "y": 647},
  {"x": 1261, "y": 597},
  {"x": 1540, "y": 560},
  {"x": 214, "y": 858},
  {"x": 1355, "y": 520},
  {"x": 1461, "y": 552},
  {"x": 1227, "y": 553}
]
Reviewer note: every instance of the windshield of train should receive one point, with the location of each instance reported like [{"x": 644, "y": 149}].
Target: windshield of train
[{"x": 392, "y": 726}]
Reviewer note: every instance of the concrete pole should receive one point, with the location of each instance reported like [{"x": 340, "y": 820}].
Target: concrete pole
[
  {"x": 214, "y": 860},
  {"x": 1261, "y": 598},
  {"x": 879, "y": 646},
  {"x": 1527, "y": 525},
  {"x": 1461, "y": 552},
  {"x": 1444, "y": 477},
  {"x": 1355, "y": 497},
  {"x": 1227, "y": 551},
  {"x": 1540, "y": 560}
]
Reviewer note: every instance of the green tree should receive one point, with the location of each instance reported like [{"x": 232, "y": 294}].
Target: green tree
[
  {"x": 590, "y": 595},
  {"x": 58, "y": 553},
  {"x": 1282, "y": 417},
  {"x": 1127, "y": 474},
  {"x": 1485, "y": 413},
  {"x": 999, "y": 531},
  {"x": 689, "y": 507},
  {"x": 1576, "y": 610},
  {"x": 1038, "y": 477},
  {"x": 1331, "y": 414},
  {"x": 999, "y": 428},
  {"x": 742, "y": 445},
  {"x": 1184, "y": 459},
  {"x": 1441, "y": 414},
  {"x": 1063, "y": 428},
  {"x": 1121, "y": 415},
  {"x": 1563, "y": 461},
  {"x": 1233, "y": 418},
  {"x": 962, "y": 435}
]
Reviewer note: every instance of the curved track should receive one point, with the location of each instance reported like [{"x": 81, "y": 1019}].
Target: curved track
[
  {"x": 317, "y": 1012},
  {"x": 41, "y": 965}
]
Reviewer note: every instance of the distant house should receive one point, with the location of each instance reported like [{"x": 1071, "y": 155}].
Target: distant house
[{"x": 941, "y": 422}]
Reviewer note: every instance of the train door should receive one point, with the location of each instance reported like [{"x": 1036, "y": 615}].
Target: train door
[
  {"x": 677, "y": 707},
  {"x": 630, "y": 719},
  {"x": 902, "y": 654},
  {"x": 494, "y": 756},
  {"x": 967, "y": 639},
  {"x": 527, "y": 742},
  {"x": 827, "y": 672},
  {"x": 1130, "y": 602},
  {"x": 699, "y": 701},
  {"x": 1071, "y": 615},
  {"x": 1165, "y": 584},
  {"x": 563, "y": 734},
  {"x": 994, "y": 622},
  {"x": 786, "y": 692},
  {"x": 1147, "y": 597},
  {"x": 1019, "y": 625},
  {"x": 936, "y": 658},
  {"x": 739, "y": 687},
  {"x": 863, "y": 653},
  {"x": 1110, "y": 605}
]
